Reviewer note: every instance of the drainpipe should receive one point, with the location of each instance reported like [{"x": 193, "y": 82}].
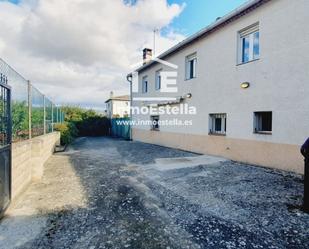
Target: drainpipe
[
  {"x": 305, "y": 152},
  {"x": 129, "y": 79}
]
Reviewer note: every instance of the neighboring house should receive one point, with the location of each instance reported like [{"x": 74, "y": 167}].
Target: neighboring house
[
  {"x": 248, "y": 76},
  {"x": 118, "y": 106}
]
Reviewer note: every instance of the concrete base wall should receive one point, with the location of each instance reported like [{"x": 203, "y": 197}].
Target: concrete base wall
[
  {"x": 273, "y": 155},
  {"x": 28, "y": 158}
]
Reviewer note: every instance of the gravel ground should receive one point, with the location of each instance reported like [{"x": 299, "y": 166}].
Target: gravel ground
[{"x": 110, "y": 193}]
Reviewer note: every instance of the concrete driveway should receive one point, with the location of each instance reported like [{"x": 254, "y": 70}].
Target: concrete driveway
[{"x": 110, "y": 193}]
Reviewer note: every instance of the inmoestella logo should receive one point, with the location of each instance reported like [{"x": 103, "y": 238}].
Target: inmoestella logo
[{"x": 167, "y": 81}]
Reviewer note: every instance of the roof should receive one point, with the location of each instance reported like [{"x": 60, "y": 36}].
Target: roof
[
  {"x": 220, "y": 22},
  {"x": 119, "y": 98}
]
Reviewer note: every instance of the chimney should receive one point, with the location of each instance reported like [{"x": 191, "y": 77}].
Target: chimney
[
  {"x": 111, "y": 95},
  {"x": 147, "y": 55}
]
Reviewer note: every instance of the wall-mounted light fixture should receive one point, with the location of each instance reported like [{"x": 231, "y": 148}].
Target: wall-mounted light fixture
[
  {"x": 188, "y": 95},
  {"x": 245, "y": 85}
]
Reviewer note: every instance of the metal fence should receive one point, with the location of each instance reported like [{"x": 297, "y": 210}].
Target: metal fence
[
  {"x": 119, "y": 128},
  {"x": 33, "y": 114}
]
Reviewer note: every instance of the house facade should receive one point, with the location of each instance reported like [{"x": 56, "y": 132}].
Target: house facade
[
  {"x": 118, "y": 106},
  {"x": 247, "y": 76}
]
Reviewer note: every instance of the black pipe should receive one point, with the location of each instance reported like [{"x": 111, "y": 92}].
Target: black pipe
[
  {"x": 306, "y": 186},
  {"x": 130, "y": 80},
  {"x": 305, "y": 152}
]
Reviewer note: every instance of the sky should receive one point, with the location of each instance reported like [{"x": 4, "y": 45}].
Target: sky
[
  {"x": 78, "y": 51},
  {"x": 199, "y": 13}
]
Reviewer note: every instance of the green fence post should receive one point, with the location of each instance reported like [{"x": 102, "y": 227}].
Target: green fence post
[
  {"x": 52, "y": 120},
  {"x": 57, "y": 115},
  {"x": 29, "y": 109},
  {"x": 44, "y": 115}
]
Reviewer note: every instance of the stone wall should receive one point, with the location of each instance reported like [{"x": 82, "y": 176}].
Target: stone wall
[{"x": 28, "y": 158}]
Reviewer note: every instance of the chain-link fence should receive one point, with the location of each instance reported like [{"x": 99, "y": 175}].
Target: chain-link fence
[{"x": 33, "y": 114}]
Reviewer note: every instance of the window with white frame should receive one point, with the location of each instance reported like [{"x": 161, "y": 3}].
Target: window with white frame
[
  {"x": 249, "y": 44},
  {"x": 158, "y": 80},
  {"x": 217, "y": 123},
  {"x": 191, "y": 61},
  {"x": 155, "y": 123},
  {"x": 145, "y": 84},
  {"x": 263, "y": 122}
]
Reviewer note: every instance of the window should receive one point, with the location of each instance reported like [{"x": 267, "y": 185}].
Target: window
[
  {"x": 155, "y": 123},
  {"x": 158, "y": 80},
  {"x": 263, "y": 122},
  {"x": 191, "y": 66},
  {"x": 145, "y": 84},
  {"x": 217, "y": 123},
  {"x": 249, "y": 44}
]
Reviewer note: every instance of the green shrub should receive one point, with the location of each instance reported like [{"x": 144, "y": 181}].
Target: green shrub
[
  {"x": 86, "y": 122},
  {"x": 20, "y": 120},
  {"x": 68, "y": 132}
]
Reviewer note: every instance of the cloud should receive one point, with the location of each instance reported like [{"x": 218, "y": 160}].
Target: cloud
[{"x": 77, "y": 51}]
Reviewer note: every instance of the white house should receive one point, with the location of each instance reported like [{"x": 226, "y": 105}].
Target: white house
[
  {"x": 118, "y": 106},
  {"x": 247, "y": 75}
]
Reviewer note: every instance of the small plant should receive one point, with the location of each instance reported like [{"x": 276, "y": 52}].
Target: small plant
[{"x": 68, "y": 132}]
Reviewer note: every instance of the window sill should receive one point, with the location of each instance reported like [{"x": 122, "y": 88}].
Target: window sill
[
  {"x": 155, "y": 129},
  {"x": 217, "y": 134},
  {"x": 190, "y": 79},
  {"x": 263, "y": 132},
  {"x": 244, "y": 63}
]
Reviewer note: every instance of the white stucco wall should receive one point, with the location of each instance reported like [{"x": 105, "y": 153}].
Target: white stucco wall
[
  {"x": 121, "y": 108},
  {"x": 118, "y": 107},
  {"x": 279, "y": 79}
]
